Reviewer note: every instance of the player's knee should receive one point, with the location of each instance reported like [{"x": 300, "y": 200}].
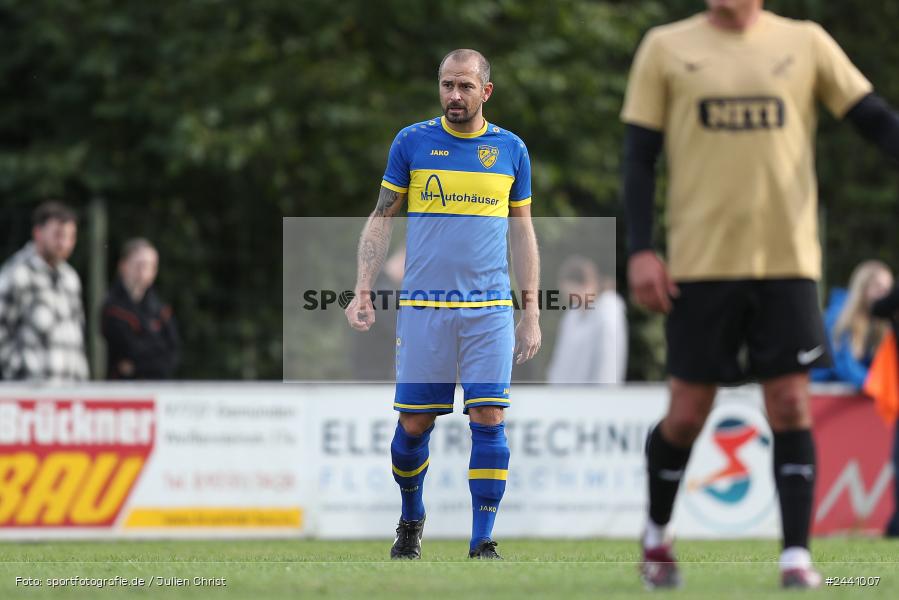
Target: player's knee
[
  {"x": 788, "y": 410},
  {"x": 487, "y": 415},
  {"x": 416, "y": 424},
  {"x": 682, "y": 430}
]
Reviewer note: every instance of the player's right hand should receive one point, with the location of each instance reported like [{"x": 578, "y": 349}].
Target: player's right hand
[
  {"x": 650, "y": 284},
  {"x": 360, "y": 312}
]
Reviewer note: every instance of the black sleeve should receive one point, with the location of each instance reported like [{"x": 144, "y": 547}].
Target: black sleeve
[
  {"x": 158, "y": 355},
  {"x": 642, "y": 147},
  {"x": 878, "y": 123},
  {"x": 888, "y": 306}
]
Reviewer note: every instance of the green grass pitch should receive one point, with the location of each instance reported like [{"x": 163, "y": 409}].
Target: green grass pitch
[{"x": 533, "y": 569}]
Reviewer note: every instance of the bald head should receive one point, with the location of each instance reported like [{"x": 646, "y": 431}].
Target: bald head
[{"x": 465, "y": 55}]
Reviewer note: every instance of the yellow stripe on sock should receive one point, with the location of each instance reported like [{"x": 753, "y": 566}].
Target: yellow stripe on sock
[
  {"x": 414, "y": 472},
  {"x": 488, "y": 474}
]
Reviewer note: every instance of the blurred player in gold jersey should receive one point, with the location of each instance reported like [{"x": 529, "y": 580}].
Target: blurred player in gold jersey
[{"x": 731, "y": 96}]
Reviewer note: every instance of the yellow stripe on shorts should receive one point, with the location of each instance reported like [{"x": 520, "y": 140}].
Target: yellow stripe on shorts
[
  {"x": 398, "y": 405},
  {"x": 475, "y": 400}
]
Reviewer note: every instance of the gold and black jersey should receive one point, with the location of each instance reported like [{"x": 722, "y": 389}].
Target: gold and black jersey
[{"x": 738, "y": 112}]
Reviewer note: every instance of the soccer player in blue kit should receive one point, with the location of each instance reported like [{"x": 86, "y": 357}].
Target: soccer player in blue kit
[{"x": 462, "y": 178}]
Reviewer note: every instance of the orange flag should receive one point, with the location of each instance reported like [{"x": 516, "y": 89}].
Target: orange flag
[{"x": 882, "y": 382}]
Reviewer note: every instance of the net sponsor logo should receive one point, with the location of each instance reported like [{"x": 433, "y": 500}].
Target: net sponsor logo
[
  {"x": 742, "y": 114},
  {"x": 71, "y": 463}
]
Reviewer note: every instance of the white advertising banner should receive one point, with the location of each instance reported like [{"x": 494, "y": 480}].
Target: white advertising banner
[
  {"x": 577, "y": 466},
  {"x": 202, "y": 460}
]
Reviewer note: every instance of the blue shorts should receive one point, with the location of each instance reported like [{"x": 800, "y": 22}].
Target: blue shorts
[{"x": 433, "y": 345}]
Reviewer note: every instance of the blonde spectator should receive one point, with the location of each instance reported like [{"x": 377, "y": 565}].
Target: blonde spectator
[{"x": 855, "y": 334}]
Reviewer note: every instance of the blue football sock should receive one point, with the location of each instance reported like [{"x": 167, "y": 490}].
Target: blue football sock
[
  {"x": 487, "y": 471},
  {"x": 410, "y": 464}
]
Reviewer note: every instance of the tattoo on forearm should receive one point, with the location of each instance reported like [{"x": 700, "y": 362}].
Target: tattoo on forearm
[
  {"x": 386, "y": 200},
  {"x": 375, "y": 240},
  {"x": 373, "y": 248},
  {"x": 367, "y": 251}
]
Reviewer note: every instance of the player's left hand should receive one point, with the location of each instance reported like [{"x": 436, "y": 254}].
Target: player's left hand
[{"x": 527, "y": 338}]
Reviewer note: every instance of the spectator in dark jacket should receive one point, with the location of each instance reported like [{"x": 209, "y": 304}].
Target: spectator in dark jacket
[
  {"x": 888, "y": 308},
  {"x": 141, "y": 337}
]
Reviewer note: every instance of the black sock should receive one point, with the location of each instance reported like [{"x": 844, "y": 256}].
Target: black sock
[
  {"x": 665, "y": 465},
  {"x": 794, "y": 476}
]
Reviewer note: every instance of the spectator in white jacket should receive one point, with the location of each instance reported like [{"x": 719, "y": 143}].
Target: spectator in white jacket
[
  {"x": 591, "y": 343},
  {"x": 41, "y": 313}
]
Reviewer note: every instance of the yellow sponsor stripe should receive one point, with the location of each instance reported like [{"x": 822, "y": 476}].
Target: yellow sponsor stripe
[
  {"x": 413, "y": 472},
  {"x": 203, "y": 517},
  {"x": 442, "y": 304},
  {"x": 518, "y": 203},
  {"x": 488, "y": 474},
  {"x": 469, "y": 193},
  {"x": 398, "y": 405},
  {"x": 474, "y": 400},
  {"x": 395, "y": 188}
]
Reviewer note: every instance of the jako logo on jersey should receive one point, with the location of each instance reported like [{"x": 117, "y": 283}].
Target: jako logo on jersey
[
  {"x": 730, "y": 484},
  {"x": 434, "y": 190},
  {"x": 488, "y": 155},
  {"x": 439, "y": 152},
  {"x": 742, "y": 114},
  {"x": 66, "y": 463}
]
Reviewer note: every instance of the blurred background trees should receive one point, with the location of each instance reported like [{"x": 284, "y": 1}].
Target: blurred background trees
[{"x": 200, "y": 124}]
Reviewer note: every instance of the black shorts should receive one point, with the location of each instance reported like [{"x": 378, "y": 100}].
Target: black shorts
[{"x": 731, "y": 332}]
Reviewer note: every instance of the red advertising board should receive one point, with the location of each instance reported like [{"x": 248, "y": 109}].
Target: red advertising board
[
  {"x": 71, "y": 463},
  {"x": 854, "y": 491}
]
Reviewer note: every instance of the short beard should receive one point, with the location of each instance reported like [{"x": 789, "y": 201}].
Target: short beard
[{"x": 464, "y": 118}]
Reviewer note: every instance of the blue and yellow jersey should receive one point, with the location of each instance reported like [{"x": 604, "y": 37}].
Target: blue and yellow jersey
[{"x": 460, "y": 187}]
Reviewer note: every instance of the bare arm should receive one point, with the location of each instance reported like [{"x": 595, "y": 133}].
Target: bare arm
[
  {"x": 526, "y": 263},
  {"x": 373, "y": 246}
]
